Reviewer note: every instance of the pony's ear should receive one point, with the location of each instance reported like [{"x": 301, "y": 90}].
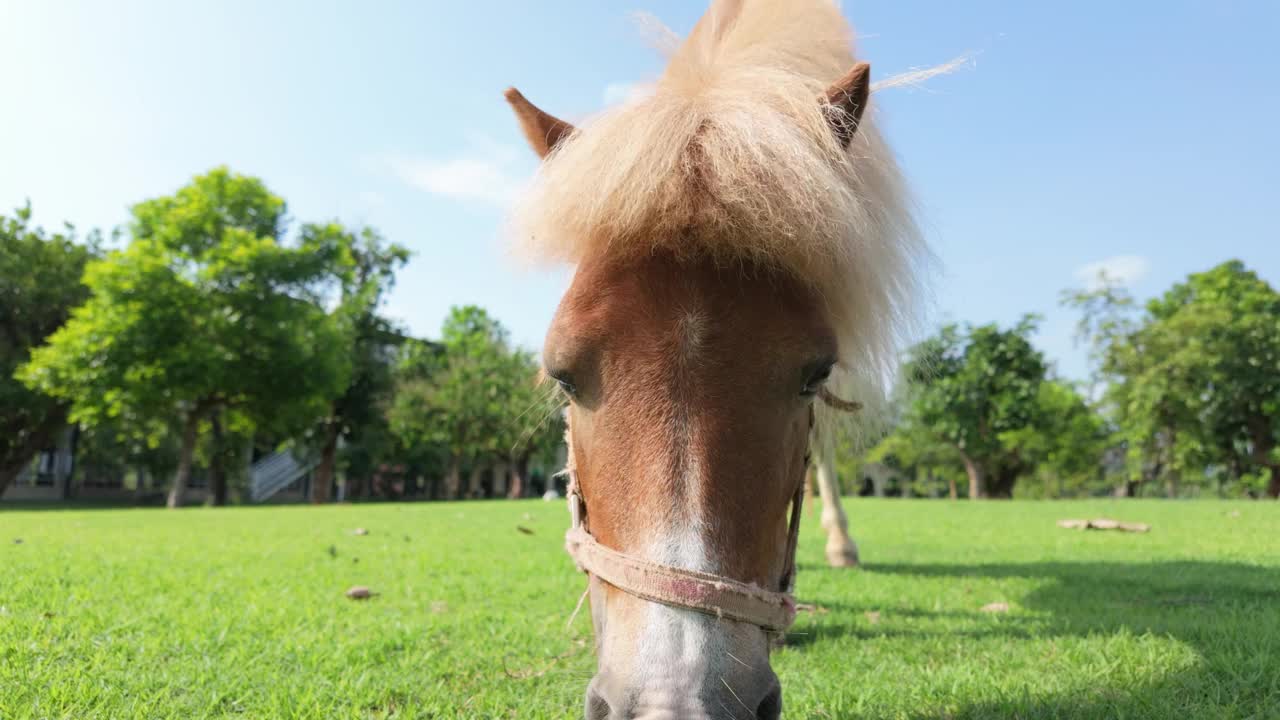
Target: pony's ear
[
  {"x": 543, "y": 131},
  {"x": 845, "y": 101}
]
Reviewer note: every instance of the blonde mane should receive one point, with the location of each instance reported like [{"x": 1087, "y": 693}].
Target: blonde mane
[{"x": 732, "y": 155}]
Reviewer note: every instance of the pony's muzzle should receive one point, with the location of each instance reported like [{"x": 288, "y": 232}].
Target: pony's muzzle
[{"x": 748, "y": 698}]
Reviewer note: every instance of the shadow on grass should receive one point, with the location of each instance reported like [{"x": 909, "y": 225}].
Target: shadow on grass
[{"x": 1229, "y": 613}]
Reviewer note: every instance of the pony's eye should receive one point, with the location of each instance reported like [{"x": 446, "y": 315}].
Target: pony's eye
[
  {"x": 816, "y": 377},
  {"x": 565, "y": 382}
]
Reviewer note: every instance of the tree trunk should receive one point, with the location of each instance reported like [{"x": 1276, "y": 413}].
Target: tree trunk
[
  {"x": 178, "y": 492},
  {"x": 71, "y": 471},
  {"x": 356, "y": 487},
  {"x": 1002, "y": 488},
  {"x": 1273, "y": 487},
  {"x": 952, "y": 491},
  {"x": 453, "y": 480},
  {"x": 217, "y": 468},
  {"x": 519, "y": 470},
  {"x": 1171, "y": 485},
  {"x": 322, "y": 482},
  {"x": 473, "y": 484},
  {"x": 1128, "y": 488},
  {"x": 1000, "y": 478},
  {"x": 12, "y": 463},
  {"x": 1263, "y": 445},
  {"x": 7, "y": 475},
  {"x": 977, "y": 485}
]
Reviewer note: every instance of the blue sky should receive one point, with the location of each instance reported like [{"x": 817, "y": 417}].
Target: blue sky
[{"x": 1138, "y": 135}]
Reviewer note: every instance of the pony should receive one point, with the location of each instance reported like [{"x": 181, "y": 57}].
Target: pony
[{"x": 745, "y": 255}]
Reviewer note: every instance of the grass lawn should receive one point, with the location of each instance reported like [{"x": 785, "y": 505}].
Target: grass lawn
[{"x": 240, "y": 613}]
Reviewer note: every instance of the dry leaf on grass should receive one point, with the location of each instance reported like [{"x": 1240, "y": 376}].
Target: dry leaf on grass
[
  {"x": 360, "y": 592},
  {"x": 524, "y": 530},
  {"x": 359, "y": 531},
  {"x": 1104, "y": 524},
  {"x": 811, "y": 608},
  {"x": 873, "y": 616},
  {"x": 439, "y": 606},
  {"x": 996, "y": 607},
  {"x": 17, "y": 541}
]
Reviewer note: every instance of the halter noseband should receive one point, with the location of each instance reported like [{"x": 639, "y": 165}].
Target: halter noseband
[{"x": 718, "y": 595}]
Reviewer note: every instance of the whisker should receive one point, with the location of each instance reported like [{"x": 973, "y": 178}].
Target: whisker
[
  {"x": 735, "y": 657},
  {"x": 734, "y": 694},
  {"x": 552, "y": 401}
]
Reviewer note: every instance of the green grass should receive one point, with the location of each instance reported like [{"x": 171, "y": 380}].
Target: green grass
[{"x": 240, "y": 613}]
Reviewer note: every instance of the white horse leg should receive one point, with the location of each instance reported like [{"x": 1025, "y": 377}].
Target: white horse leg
[{"x": 841, "y": 551}]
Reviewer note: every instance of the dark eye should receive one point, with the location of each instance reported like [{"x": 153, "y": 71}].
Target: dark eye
[
  {"x": 815, "y": 377},
  {"x": 565, "y": 382}
]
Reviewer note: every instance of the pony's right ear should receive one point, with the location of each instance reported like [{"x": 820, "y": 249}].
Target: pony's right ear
[
  {"x": 846, "y": 100},
  {"x": 544, "y": 132}
]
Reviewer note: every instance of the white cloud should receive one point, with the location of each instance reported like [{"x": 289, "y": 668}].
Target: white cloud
[
  {"x": 486, "y": 173},
  {"x": 1121, "y": 269}
]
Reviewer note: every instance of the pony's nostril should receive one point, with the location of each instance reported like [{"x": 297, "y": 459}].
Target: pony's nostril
[
  {"x": 771, "y": 706},
  {"x": 597, "y": 707}
]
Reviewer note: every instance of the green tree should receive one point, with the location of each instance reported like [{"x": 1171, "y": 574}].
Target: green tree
[
  {"x": 916, "y": 452},
  {"x": 1194, "y": 380},
  {"x": 1065, "y": 442},
  {"x": 206, "y": 313},
  {"x": 39, "y": 285},
  {"x": 365, "y": 274},
  {"x": 468, "y": 399},
  {"x": 972, "y": 387}
]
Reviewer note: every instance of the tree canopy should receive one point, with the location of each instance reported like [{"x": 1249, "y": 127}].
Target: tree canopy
[
  {"x": 215, "y": 328},
  {"x": 1193, "y": 379},
  {"x": 972, "y": 386},
  {"x": 364, "y": 275},
  {"x": 40, "y": 282},
  {"x": 475, "y": 398},
  {"x": 206, "y": 311}
]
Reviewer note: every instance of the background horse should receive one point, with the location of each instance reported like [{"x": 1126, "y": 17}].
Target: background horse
[
  {"x": 742, "y": 245},
  {"x": 841, "y": 550}
]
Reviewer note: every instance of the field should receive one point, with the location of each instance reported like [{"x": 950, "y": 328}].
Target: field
[{"x": 240, "y": 613}]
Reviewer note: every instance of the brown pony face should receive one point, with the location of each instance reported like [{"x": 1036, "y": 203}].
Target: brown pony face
[{"x": 691, "y": 385}]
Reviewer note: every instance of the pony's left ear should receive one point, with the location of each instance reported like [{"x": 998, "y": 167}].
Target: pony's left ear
[
  {"x": 544, "y": 132},
  {"x": 845, "y": 101}
]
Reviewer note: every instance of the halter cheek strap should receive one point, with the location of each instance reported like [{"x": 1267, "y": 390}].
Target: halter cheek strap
[{"x": 718, "y": 595}]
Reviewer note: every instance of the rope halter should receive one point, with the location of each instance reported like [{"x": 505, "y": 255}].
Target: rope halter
[{"x": 718, "y": 595}]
